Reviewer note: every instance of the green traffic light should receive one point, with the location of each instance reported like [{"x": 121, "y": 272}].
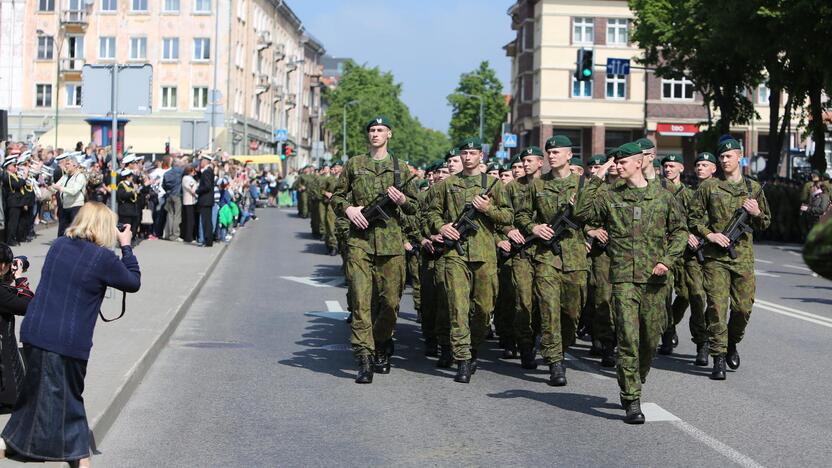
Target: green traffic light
[{"x": 587, "y": 72}]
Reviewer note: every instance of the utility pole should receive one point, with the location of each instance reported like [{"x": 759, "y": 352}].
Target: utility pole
[
  {"x": 214, "y": 90},
  {"x": 344, "y": 130}
]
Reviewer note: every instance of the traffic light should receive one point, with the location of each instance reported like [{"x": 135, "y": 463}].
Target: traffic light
[
  {"x": 167, "y": 147},
  {"x": 287, "y": 150},
  {"x": 584, "y": 61}
]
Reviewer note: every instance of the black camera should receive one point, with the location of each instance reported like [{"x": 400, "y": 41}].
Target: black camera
[
  {"x": 24, "y": 262},
  {"x": 121, "y": 227}
]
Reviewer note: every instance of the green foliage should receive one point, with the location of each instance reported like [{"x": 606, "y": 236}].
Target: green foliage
[
  {"x": 377, "y": 93},
  {"x": 465, "y": 119}
]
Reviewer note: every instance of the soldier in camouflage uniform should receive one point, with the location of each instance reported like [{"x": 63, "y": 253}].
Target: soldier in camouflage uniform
[
  {"x": 470, "y": 279},
  {"x": 560, "y": 281},
  {"x": 327, "y": 188},
  {"x": 303, "y": 196},
  {"x": 818, "y": 249},
  {"x": 646, "y": 235},
  {"x": 375, "y": 258},
  {"x": 727, "y": 280},
  {"x": 505, "y": 313},
  {"x": 313, "y": 191},
  {"x": 431, "y": 293}
]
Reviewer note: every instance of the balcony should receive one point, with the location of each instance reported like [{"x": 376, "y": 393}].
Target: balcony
[
  {"x": 264, "y": 40},
  {"x": 262, "y": 84},
  {"x": 279, "y": 52},
  {"x": 74, "y": 21},
  {"x": 71, "y": 67}
]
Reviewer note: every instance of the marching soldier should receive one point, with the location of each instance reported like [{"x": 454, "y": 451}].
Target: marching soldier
[
  {"x": 313, "y": 188},
  {"x": 504, "y": 312},
  {"x": 303, "y": 197},
  {"x": 375, "y": 258},
  {"x": 728, "y": 280},
  {"x": 470, "y": 276},
  {"x": 646, "y": 235},
  {"x": 560, "y": 278},
  {"x": 327, "y": 187}
]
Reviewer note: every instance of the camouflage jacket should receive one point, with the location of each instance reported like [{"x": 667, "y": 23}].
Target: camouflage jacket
[
  {"x": 517, "y": 193},
  {"x": 313, "y": 186},
  {"x": 547, "y": 196},
  {"x": 412, "y": 224},
  {"x": 361, "y": 181},
  {"x": 645, "y": 226},
  {"x": 713, "y": 207},
  {"x": 449, "y": 200},
  {"x": 327, "y": 184}
]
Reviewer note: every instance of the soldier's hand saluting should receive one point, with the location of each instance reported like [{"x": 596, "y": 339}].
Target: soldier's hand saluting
[
  {"x": 602, "y": 171},
  {"x": 356, "y": 218}
]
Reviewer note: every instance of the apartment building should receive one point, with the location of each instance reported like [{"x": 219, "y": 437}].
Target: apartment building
[
  {"x": 254, "y": 54},
  {"x": 607, "y": 110}
]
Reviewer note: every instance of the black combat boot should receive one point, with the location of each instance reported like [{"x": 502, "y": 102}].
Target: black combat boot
[
  {"x": 463, "y": 371},
  {"x": 365, "y": 370},
  {"x": 597, "y": 348},
  {"x": 431, "y": 347},
  {"x": 349, "y": 318},
  {"x": 473, "y": 361},
  {"x": 608, "y": 356},
  {"x": 446, "y": 358},
  {"x": 381, "y": 365},
  {"x": 667, "y": 342},
  {"x": 675, "y": 339},
  {"x": 733, "y": 357},
  {"x": 527, "y": 360},
  {"x": 719, "y": 368},
  {"x": 702, "y": 354},
  {"x": 633, "y": 412},
  {"x": 557, "y": 374},
  {"x": 333, "y": 251},
  {"x": 509, "y": 349}
]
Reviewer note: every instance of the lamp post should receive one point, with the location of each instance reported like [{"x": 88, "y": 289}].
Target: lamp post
[
  {"x": 482, "y": 107},
  {"x": 56, "y": 94},
  {"x": 344, "y": 129}
]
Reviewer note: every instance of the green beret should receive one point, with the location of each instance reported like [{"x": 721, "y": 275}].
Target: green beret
[
  {"x": 657, "y": 162},
  {"x": 706, "y": 157},
  {"x": 324, "y": 164},
  {"x": 380, "y": 120},
  {"x": 470, "y": 143},
  {"x": 505, "y": 168},
  {"x": 495, "y": 166},
  {"x": 673, "y": 157},
  {"x": 531, "y": 151},
  {"x": 558, "y": 141},
  {"x": 451, "y": 152},
  {"x": 645, "y": 143},
  {"x": 728, "y": 145},
  {"x": 576, "y": 161},
  {"x": 423, "y": 184},
  {"x": 626, "y": 150},
  {"x": 596, "y": 160},
  {"x": 515, "y": 160},
  {"x": 611, "y": 153},
  {"x": 337, "y": 163}
]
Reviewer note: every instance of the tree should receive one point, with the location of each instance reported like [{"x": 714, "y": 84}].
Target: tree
[
  {"x": 465, "y": 117},
  {"x": 377, "y": 93}
]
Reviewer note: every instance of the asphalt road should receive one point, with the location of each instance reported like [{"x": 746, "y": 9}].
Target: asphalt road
[{"x": 259, "y": 373}]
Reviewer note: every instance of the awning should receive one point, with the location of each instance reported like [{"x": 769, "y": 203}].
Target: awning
[
  {"x": 257, "y": 158},
  {"x": 677, "y": 129}
]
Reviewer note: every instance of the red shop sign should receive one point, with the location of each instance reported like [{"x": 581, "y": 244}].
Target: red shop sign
[{"x": 677, "y": 129}]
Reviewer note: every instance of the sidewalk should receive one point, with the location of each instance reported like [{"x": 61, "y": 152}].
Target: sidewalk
[{"x": 172, "y": 275}]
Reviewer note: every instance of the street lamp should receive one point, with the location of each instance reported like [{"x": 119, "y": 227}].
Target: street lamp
[
  {"x": 344, "y": 131},
  {"x": 482, "y": 107},
  {"x": 56, "y": 94}
]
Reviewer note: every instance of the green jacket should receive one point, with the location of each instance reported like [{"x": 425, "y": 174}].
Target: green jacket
[
  {"x": 449, "y": 200},
  {"x": 327, "y": 184},
  {"x": 517, "y": 193},
  {"x": 361, "y": 181},
  {"x": 713, "y": 207},
  {"x": 645, "y": 225}
]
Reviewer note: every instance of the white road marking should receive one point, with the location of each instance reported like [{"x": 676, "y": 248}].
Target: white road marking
[
  {"x": 765, "y": 273},
  {"x": 762, "y": 261},
  {"x": 317, "y": 281},
  {"x": 794, "y": 313},
  {"x": 797, "y": 267},
  {"x": 334, "y": 306},
  {"x": 593, "y": 372},
  {"x": 655, "y": 413}
]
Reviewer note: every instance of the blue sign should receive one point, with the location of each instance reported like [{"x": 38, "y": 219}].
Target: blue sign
[
  {"x": 616, "y": 66},
  {"x": 281, "y": 134},
  {"x": 510, "y": 140},
  {"x": 502, "y": 154}
]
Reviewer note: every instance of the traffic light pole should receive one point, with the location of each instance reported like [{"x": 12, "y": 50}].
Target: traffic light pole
[{"x": 344, "y": 130}]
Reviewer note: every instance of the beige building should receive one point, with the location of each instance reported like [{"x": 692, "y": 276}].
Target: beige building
[
  {"x": 607, "y": 110},
  {"x": 255, "y": 53}
]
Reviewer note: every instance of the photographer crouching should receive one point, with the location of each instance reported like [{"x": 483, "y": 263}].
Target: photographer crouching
[{"x": 49, "y": 422}]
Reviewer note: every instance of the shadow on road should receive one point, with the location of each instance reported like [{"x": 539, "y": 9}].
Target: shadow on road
[
  {"x": 579, "y": 403},
  {"x": 321, "y": 332}
]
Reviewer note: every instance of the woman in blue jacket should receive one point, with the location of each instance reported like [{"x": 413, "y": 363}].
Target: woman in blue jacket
[{"x": 49, "y": 422}]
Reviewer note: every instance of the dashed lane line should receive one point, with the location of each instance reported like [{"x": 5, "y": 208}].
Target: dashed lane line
[{"x": 737, "y": 457}]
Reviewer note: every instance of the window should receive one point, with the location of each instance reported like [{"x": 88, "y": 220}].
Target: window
[
  {"x": 677, "y": 89},
  {"x": 584, "y": 31},
  {"x": 238, "y": 56},
  {"x": 617, "y": 31},
  {"x": 241, "y": 10},
  {"x": 43, "y": 95},
  {"x": 138, "y": 5},
  {"x": 108, "y": 5},
  {"x": 138, "y": 48},
  {"x": 581, "y": 89},
  {"x": 75, "y": 46},
  {"x": 46, "y": 5},
  {"x": 202, "y": 6},
  {"x": 616, "y": 86},
  {"x": 200, "y": 98},
  {"x": 45, "y": 47},
  {"x": 170, "y": 6},
  {"x": 763, "y": 94},
  {"x": 73, "y": 95},
  {"x": 168, "y": 97},
  {"x": 107, "y": 48},
  {"x": 170, "y": 48},
  {"x": 202, "y": 48}
]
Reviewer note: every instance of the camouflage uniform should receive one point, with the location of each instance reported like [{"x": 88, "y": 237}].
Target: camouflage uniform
[
  {"x": 713, "y": 207},
  {"x": 303, "y": 196},
  {"x": 413, "y": 235},
  {"x": 313, "y": 188},
  {"x": 818, "y": 250},
  {"x": 559, "y": 281},
  {"x": 525, "y": 323},
  {"x": 645, "y": 226},
  {"x": 470, "y": 280},
  {"x": 328, "y": 185},
  {"x": 375, "y": 256}
]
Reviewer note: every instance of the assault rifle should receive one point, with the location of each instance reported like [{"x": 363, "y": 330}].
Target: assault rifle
[
  {"x": 378, "y": 208},
  {"x": 465, "y": 224},
  {"x": 699, "y": 250},
  {"x": 738, "y": 226},
  {"x": 560, "y": 222}
]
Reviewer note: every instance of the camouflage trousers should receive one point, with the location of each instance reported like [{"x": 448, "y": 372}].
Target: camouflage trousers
[
  {"x": 442, "y": 318},
  {"x": 413, "y": 274},
  {"x": 601, "y": 324},
  {"x": 561, "y": 297},
  {"x": 321, "y": 208},
  {"x": 727, "y": 283},
  {"x": 330, "y": 237},
  {"x": 375, "y": 289},
  {"x": 690, "y": 291},
  {"x": 526, "y": 312},
  {"x": 470, "y": 290},
  {"x": 303, "y": 204},
  {"x": 640, "y": 319},
  {"x": 505, "y": 304},
  {"x": 428, "y": 297}
]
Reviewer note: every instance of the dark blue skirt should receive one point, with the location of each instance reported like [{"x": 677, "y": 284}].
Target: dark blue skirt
[{"x": 49, "y": 421}]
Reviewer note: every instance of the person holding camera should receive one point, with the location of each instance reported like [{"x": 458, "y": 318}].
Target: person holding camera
[
  {"x": 49, "y": 422},
  {"x": 14, "y": 299}
]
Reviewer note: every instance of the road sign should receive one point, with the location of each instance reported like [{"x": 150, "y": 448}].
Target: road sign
[
  {"x": 510, "y": 140},
  {"x": 502, "y": 154},
  {"x": 193, "y": 134},
  {"x": 134, "y": 95},
  {"x": 617, "y": 66},
  {"x": 281, "y": 134}
]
